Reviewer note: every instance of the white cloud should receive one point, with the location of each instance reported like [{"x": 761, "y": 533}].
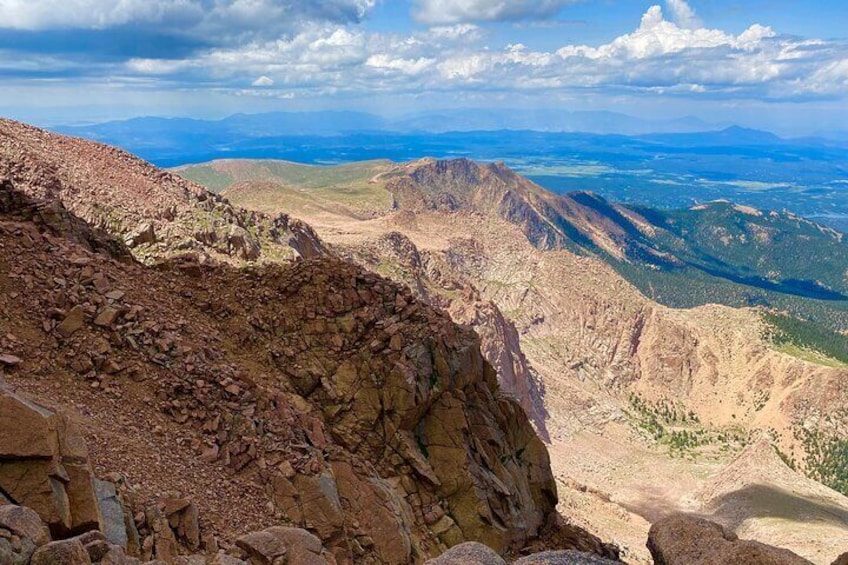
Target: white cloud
[
  {"x": 263, "y": 81},
  {"x": 458, "y": 11},
  {"x": 406, "y": 66},
  {"x": 660, "y": 56},
  {"x": 683, "y": 14},
  {"x": 216, "y": 21}
]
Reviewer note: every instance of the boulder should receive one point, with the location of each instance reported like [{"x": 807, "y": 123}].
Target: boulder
[
  {"x": 24, "y": 523},
  {"x": 682, "y": 539},
  {"x": 66, "y": 552},
  {"x": 144, "y": 233},
  {"x": 468, "y": 553},
  {"x": 241, "y": 244},
  {"x": 297, "y": 545},
  {"x": 114, "y": 525},
  {"x": 21, "y": 533},
  {"x": 44, "y": 466}
]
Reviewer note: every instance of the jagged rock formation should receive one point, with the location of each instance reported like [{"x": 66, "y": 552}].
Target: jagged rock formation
[
  {"x": 44, "y": 465},
  {"x": 435, "y": 279},
  {"x": 314, "y": 393}
]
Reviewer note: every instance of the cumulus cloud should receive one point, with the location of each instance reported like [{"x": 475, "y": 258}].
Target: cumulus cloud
[
  {"x": 668, "y": 52},
  {"x": 215, "y": 21},
  {"x": 459, "y": 11},
  {"x": 683, "y": 14},
  {"x": 263, "y": 81}
]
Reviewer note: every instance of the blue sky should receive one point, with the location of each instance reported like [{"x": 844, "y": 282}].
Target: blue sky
[{"x": 775, "y": 64}]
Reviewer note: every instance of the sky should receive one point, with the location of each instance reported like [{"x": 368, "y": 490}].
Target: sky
[{"x": 775, "y": 64}]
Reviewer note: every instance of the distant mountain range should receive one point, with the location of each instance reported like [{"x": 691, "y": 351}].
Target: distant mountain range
[{"x": 345, "y": 122}]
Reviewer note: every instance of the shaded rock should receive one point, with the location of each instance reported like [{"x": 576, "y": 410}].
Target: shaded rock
[
  {"x": 262, "y": 547},
  {"x": 44, "y": 466},
  {"x": 112, "y": 511},
  {"x": 222, "y": 558},
  {"x": 65, "y": 552},
  {"x": 841, "y": 560},
  {"x": 25, "y": 525},
  {"x": 297, "y": 545},
  {"x": 117, "y": 556},
  {"x": 241, "y": 244},
  {"x": 468, "y": 553},
  {"x": 682, "y": 539}
]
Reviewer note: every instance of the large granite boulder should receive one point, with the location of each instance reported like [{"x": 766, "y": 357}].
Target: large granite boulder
[{"x": 682, "y": 539}]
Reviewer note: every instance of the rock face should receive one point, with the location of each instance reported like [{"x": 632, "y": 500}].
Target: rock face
[
  {"x": 44, "y": 465},
  {"x": 687, "y": 540}
]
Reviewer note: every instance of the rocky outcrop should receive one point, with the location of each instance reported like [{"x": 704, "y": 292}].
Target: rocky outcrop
[
  {"x": 44, "y": 465},
  {"x": 500, "y": 345},
  {"x": 682, "y": 539},
  {"x": 437, "y": 280},
  {"x": 469, "y": 553}
]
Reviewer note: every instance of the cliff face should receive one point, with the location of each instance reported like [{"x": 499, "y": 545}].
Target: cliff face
[
  {"x": 313, "y": 393},
  {"x": 443, "y": 282}
]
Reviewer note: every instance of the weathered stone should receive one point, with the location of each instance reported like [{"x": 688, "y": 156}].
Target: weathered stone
[
  {"x": 73, "y": 321},
  {"x": 39, "y": 484},
  {"x": 9, "y": 360},
  {"x": 222, "y": 558},
  {"x": 97, "y": 549},
  {"x": 25, "y": 523},
  {"x": 65, "y": 552},
  {"x": 682, "y": 539},
  {"x": 262, "y": 547},
  {"x": 26, "y": 531},
  {"x": 468, "y": 553},
  {"x": 29, "y": 430},
  {"x": 85, "y": 511},
  {"x": 113, "y": 524},
  {"x": 107, "y": 316},
  {"x": 117, "y": 556},
  {"x": 144, "y": 233}
]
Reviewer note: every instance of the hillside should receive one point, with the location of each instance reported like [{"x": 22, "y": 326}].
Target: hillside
[{"x": 671, "y": 394}]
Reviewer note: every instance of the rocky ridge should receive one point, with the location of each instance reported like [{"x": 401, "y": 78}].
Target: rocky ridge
[{"x": 154, "y": 212}]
